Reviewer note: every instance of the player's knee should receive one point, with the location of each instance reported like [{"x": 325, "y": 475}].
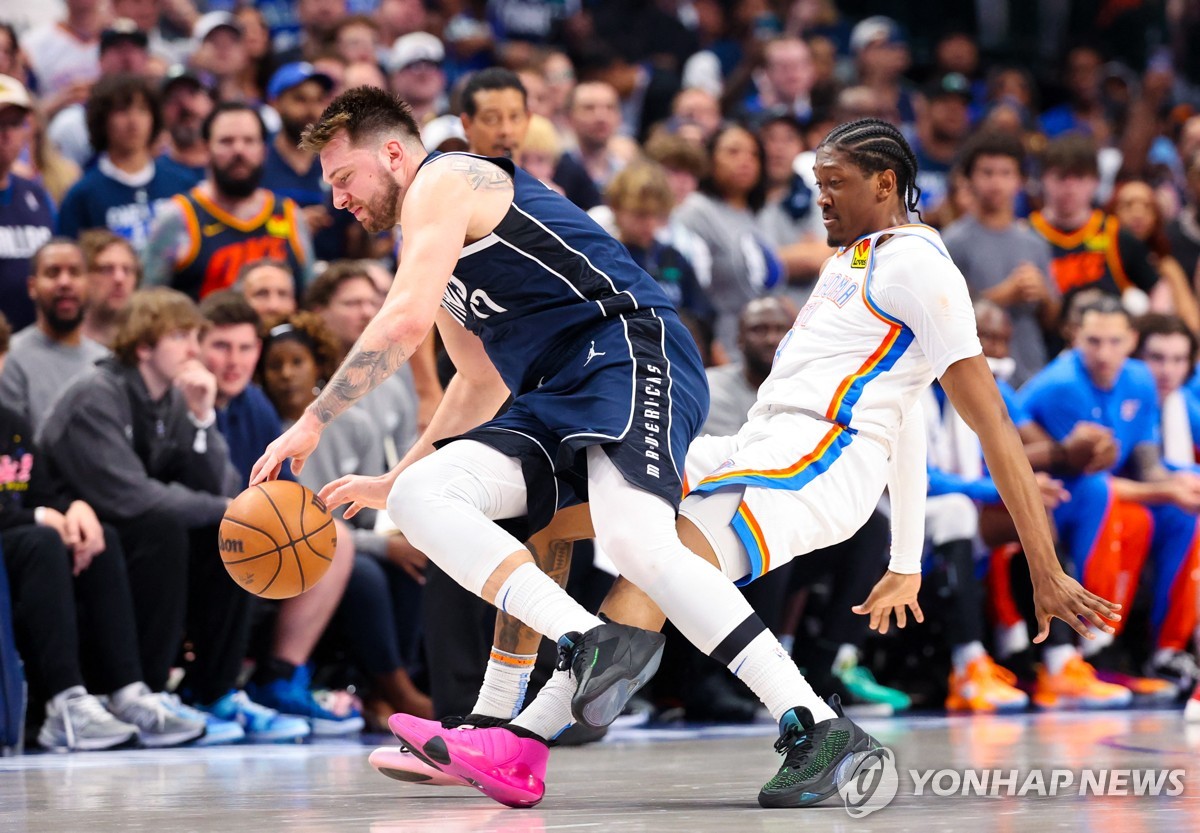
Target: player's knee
[{"x": 951, "y": 518}]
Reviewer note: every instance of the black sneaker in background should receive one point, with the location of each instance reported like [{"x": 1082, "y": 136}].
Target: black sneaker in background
[
  {"x": 817, "y": 757},
  {"x": 609, "y": 663}
]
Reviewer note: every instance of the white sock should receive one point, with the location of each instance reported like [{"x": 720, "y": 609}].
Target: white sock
[
  {"x": 766, "y": 668},
  {"x": 538, "y": 601},
  {"x": 550, "y": 712},
  {"x": 1056, "y": 657},
  {"x": 964, "y": 655},
  {"x": 127, "y": 694},
  {"x": 60, "y": 700},
  {"x": 847, "y": 658},
  {"x": 1011, "y": 640},
  {"x": 504, "y": 684},
  {"x": 1094, "y": 646}
]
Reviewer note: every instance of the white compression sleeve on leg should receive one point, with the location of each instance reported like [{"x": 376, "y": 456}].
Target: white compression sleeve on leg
[{"x": 445, "y": 504}]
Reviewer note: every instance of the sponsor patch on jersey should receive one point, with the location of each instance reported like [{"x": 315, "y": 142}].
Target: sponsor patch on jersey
[
  {"x": 278, "y": 227},
  {"x": 861, "y": 250}
]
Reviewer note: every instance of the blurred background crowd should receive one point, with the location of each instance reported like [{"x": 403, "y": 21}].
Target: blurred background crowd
[{"x": 177, "y": 286}]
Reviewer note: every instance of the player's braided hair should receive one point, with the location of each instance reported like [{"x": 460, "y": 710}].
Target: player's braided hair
[{"x": 875, "y": 145}]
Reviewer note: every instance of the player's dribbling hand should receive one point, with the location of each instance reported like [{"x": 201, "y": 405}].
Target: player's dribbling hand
[
  {"x": 296, "y": 444},
  {"x": 894, "y": 593},
  {"x": 1060, "y": 596},
  {"x": 360, "y": 491}
]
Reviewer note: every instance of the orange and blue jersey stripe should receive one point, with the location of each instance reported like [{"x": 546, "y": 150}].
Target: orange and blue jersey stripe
[
  {"x": 791, "y": 478},
  {"x": 884, "y": 357},
  {"x": 751, "y": 535}
]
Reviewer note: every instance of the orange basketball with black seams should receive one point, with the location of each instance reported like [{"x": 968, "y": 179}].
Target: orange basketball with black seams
[{"x": 277, "y": 539}]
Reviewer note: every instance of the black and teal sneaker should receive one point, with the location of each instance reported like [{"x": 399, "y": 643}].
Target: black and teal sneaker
[
  {"x": 609, "y": 663},
  {"x": 817, "y": 757}
]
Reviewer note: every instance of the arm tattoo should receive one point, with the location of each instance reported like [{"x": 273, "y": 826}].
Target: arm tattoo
[
  {"x": 359, "y": 374},
  {"x": 482, "y": 174}
]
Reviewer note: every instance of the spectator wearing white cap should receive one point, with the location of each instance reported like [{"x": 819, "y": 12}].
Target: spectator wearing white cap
[
  {"x": 123, "y": 51},
  {"x": 26, "y": 213},
  {"x": 881, "y": 56},
  {"x": 221, "y": 54},
  {"x": 415, "y": 67}
]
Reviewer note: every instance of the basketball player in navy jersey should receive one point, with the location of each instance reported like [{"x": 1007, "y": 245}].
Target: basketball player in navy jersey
[{"x": 531, "y": 297}]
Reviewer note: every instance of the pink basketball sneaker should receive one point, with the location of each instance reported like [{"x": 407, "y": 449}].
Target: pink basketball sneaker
[
  {"x": 501, "y": 764},
  {"x": 398, "y": 763}
]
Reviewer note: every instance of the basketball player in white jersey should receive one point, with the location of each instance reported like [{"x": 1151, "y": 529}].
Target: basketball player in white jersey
[{"x": 832, "y": 427}]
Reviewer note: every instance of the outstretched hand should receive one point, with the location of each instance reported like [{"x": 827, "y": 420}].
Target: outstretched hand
[
  {"x": 894, "y": 593},
  {"x": 360, "y": 491},
  {"x": 296, "y": 443},
  {"x": 1060, "y": 596}
]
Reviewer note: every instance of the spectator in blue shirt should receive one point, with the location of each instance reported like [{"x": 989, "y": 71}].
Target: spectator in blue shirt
[
  {"x": 123, "y": 191},
  {"x": 1098, "y": 382},
  {"x": 26, "y": 212}
]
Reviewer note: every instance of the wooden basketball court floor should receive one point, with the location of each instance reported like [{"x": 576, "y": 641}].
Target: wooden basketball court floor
[{"x": 637, "y": 780}]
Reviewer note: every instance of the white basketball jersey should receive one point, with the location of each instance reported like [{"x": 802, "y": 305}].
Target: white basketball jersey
[{"x": 888, "y": 314}]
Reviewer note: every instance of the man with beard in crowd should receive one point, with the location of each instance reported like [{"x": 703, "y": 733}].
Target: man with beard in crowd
[
  {"x": 47, "y": 355},
  {"x": 186, "y": 103},
  {"x": 204, "y": 237},
  {"x": 299, "y": 93}
]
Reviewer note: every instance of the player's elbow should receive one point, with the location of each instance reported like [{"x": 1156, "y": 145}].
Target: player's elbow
[{"x": 402, "y": 326}]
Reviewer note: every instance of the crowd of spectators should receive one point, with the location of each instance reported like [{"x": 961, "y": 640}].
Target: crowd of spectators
[{"x": 178, "y": 286}]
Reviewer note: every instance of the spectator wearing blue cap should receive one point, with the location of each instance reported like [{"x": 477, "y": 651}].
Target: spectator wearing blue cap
[{"x": 298, "y": 93}]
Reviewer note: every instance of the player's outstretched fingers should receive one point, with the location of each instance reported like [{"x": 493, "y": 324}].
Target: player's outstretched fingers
[
  {"x": 885, "y": 619},
  {"x": 901, "y": 616},
  {"x": 1104, "y": 607},
  {"x": 918, "y": 614},
  {"x": 333, "y": 492}
]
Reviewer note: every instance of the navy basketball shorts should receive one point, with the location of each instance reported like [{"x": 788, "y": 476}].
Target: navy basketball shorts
[{"x": 635, "y": 386}]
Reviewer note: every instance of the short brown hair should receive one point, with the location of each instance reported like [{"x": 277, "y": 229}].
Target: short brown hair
[
  {"x": 321, "y": 291},
  {"x": 262, "y": 263},
  {"x": 678, "y": 154},
  {"x": 1157, "y": 324},
  {"x": 229, "y": 308},
  {"x": 5, "y": 334},
  {"x": 94, "y": 241},
  {"x": 640, "y": 186},
  {"x": 150, "y": 315},
  {"x": 362, "y": 112},
  {"x": 1071, "y": 155},
  {"x": 990, "y": 143}
]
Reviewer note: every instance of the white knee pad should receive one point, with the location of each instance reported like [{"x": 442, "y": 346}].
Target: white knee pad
[
  {"x": 445, "y": 504},
  {"x": 951, "y": 518}
]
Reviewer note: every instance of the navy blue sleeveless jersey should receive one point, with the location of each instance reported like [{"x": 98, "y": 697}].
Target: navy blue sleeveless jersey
[
  {"x": 588, "y": 343},
  {"x": 544, "y": 278}
]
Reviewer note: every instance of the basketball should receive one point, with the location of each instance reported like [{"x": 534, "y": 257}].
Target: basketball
[{"x": 277, "y": 539}]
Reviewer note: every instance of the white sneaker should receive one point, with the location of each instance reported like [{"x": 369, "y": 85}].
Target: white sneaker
[
  {"x": 159, "y": 723},
  {"x": 80, "y": 723}
]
